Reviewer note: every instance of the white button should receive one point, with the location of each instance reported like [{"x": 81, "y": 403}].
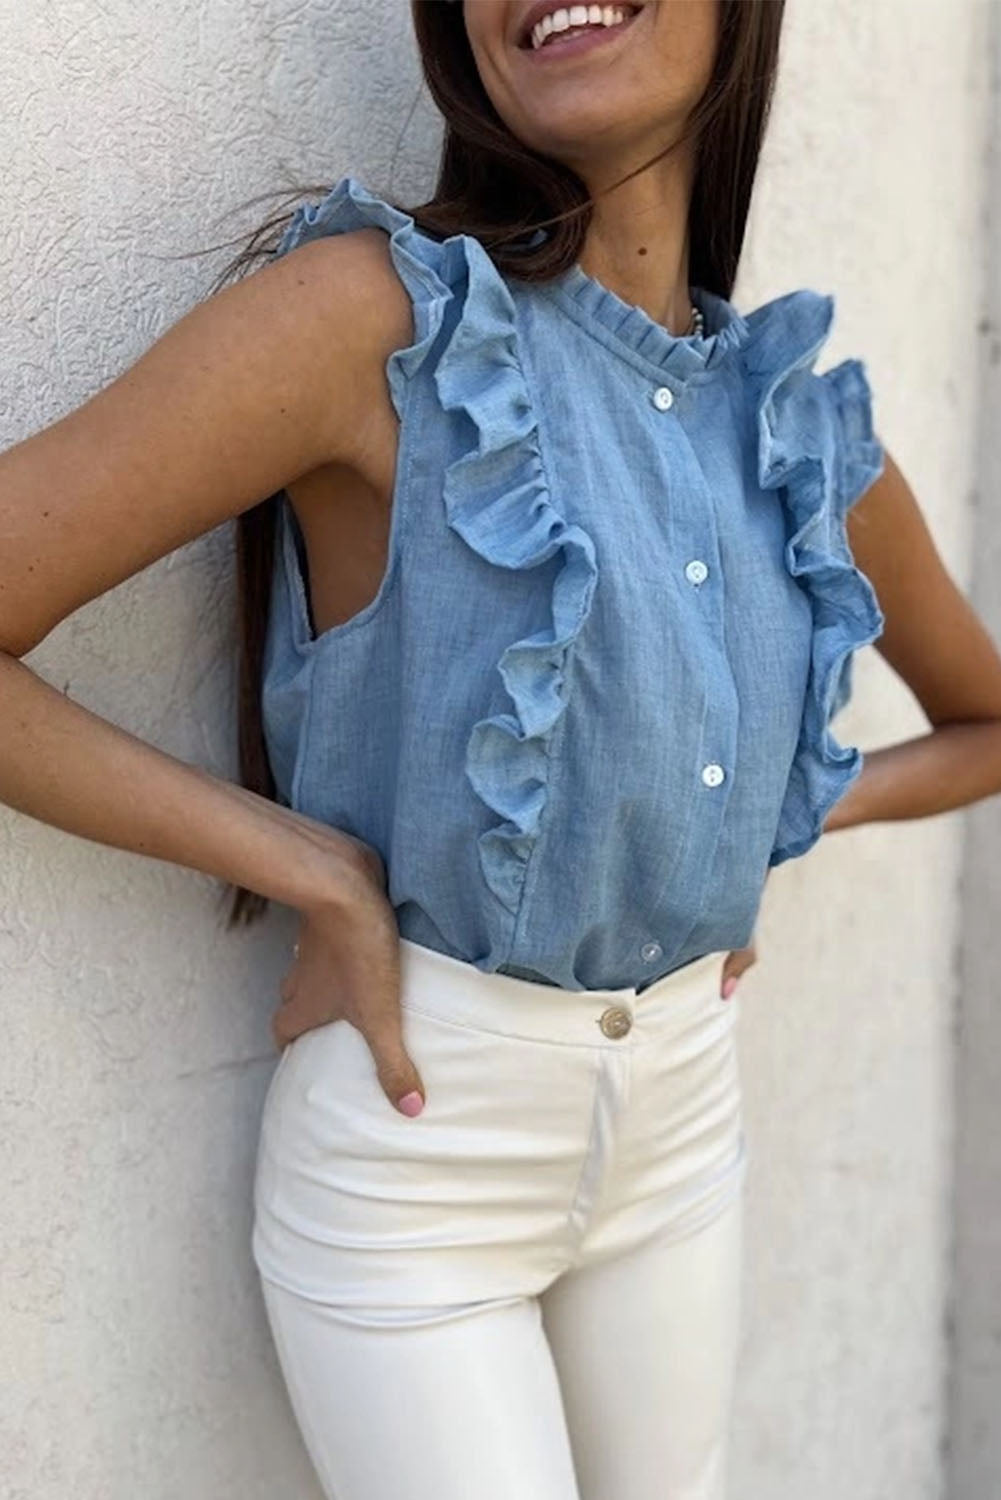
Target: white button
[
  {"x": 663, "y": 397},
  {"x": 712, "y": 774},
  {"x": 696, "y": 571},
  {"x": 650, "y": 951}
]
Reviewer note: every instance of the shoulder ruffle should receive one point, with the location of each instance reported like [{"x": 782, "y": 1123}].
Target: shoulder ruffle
[
  {"x": 496, "y": 497},
  {"x": 425, "y": 266},
  {"x": 818, "y": 452}
]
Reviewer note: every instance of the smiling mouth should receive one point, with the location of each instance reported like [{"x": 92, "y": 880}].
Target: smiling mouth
[{"x": 572, "y": 33}]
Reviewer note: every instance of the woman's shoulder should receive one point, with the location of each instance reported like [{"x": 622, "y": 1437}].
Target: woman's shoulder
[{"x": 446, "y": 280}]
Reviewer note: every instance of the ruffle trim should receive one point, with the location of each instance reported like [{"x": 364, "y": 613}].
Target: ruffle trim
[
  {"x": 423, "y": 264},
  {"x": 818, "y": 451},
  {"x": 498, "y": 500},
  {"x": 496, "y": 497},
  {"x": 681, "y": 354}
]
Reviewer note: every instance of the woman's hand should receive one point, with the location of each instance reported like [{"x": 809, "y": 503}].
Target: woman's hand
[
  {"x": 736, "y": 961},
  {"x": 347, "y": 967},
  {"x": 739, "y": 959}
]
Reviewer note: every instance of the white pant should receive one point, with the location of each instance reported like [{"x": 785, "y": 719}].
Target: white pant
[{"x": 531, "y": 1291}]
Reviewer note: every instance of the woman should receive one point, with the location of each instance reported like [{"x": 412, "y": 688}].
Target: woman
[{"x": 547, "y": 612}]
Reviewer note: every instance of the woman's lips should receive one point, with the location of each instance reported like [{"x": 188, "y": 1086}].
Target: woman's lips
[{"x": 584, "y": 41}]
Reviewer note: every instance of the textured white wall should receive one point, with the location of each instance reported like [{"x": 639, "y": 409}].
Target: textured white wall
[
  {"x": 135, "y": 1355},
  {"x": 975, "y": 1385}
]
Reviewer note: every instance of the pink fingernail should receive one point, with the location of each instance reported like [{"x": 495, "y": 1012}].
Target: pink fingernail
[
  {"x": 729, "y": 987},
  {"x": 412, "y": 1103}
]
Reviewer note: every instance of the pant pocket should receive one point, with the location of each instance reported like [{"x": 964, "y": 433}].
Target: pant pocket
[{"x": 356, "y": 1201}]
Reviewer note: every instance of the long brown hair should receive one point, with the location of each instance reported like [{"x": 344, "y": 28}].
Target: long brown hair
[{"x": 492, "y": 186}]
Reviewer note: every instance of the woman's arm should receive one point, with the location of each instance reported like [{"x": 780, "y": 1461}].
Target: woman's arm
[
  {"x": 264, "y": 382},
  {"x": 247, "y": 391},
  {"x": 936, "y": 643},
  {"x": 70, "y": 768}
]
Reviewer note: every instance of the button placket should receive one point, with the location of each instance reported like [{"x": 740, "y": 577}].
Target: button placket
[{"x": 699, "y": 554}]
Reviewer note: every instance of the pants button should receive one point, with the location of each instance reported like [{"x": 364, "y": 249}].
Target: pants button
[{"x": 615, "y": 1021}]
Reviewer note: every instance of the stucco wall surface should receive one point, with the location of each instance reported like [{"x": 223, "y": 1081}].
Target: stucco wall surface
[
  {"x": 135, "y": 1354},
  {"x": 975, "y": 1371}
]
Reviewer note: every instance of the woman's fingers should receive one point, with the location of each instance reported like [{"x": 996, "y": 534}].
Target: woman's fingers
[
  {"x": 734, "y": 965},
  {"x": 395, "y": 1069},
  {"x": 346, "y": 966}
]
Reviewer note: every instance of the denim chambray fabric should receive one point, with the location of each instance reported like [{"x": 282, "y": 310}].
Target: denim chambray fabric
[{"x": 590, "y": 703}]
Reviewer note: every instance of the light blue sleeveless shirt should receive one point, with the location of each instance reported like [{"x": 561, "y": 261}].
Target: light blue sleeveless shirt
[{"x": 590, "y": 703}]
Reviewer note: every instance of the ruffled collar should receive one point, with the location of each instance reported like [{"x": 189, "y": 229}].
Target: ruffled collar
[{"x": 597, "y": 307}]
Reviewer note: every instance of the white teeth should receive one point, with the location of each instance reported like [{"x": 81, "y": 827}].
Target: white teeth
[{"x": 568, "y": 18}]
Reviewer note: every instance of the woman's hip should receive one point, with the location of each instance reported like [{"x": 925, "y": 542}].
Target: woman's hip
[{"x": 558, "y": 1126}]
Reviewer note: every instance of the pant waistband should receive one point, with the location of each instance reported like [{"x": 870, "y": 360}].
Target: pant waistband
[{"x": 439, "y": 985}]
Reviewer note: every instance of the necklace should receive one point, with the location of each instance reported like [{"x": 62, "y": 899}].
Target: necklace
[{"x": 698, "y": 323}]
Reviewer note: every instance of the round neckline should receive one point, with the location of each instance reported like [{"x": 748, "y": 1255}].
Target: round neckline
[{"x": 591, "y": 302}]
